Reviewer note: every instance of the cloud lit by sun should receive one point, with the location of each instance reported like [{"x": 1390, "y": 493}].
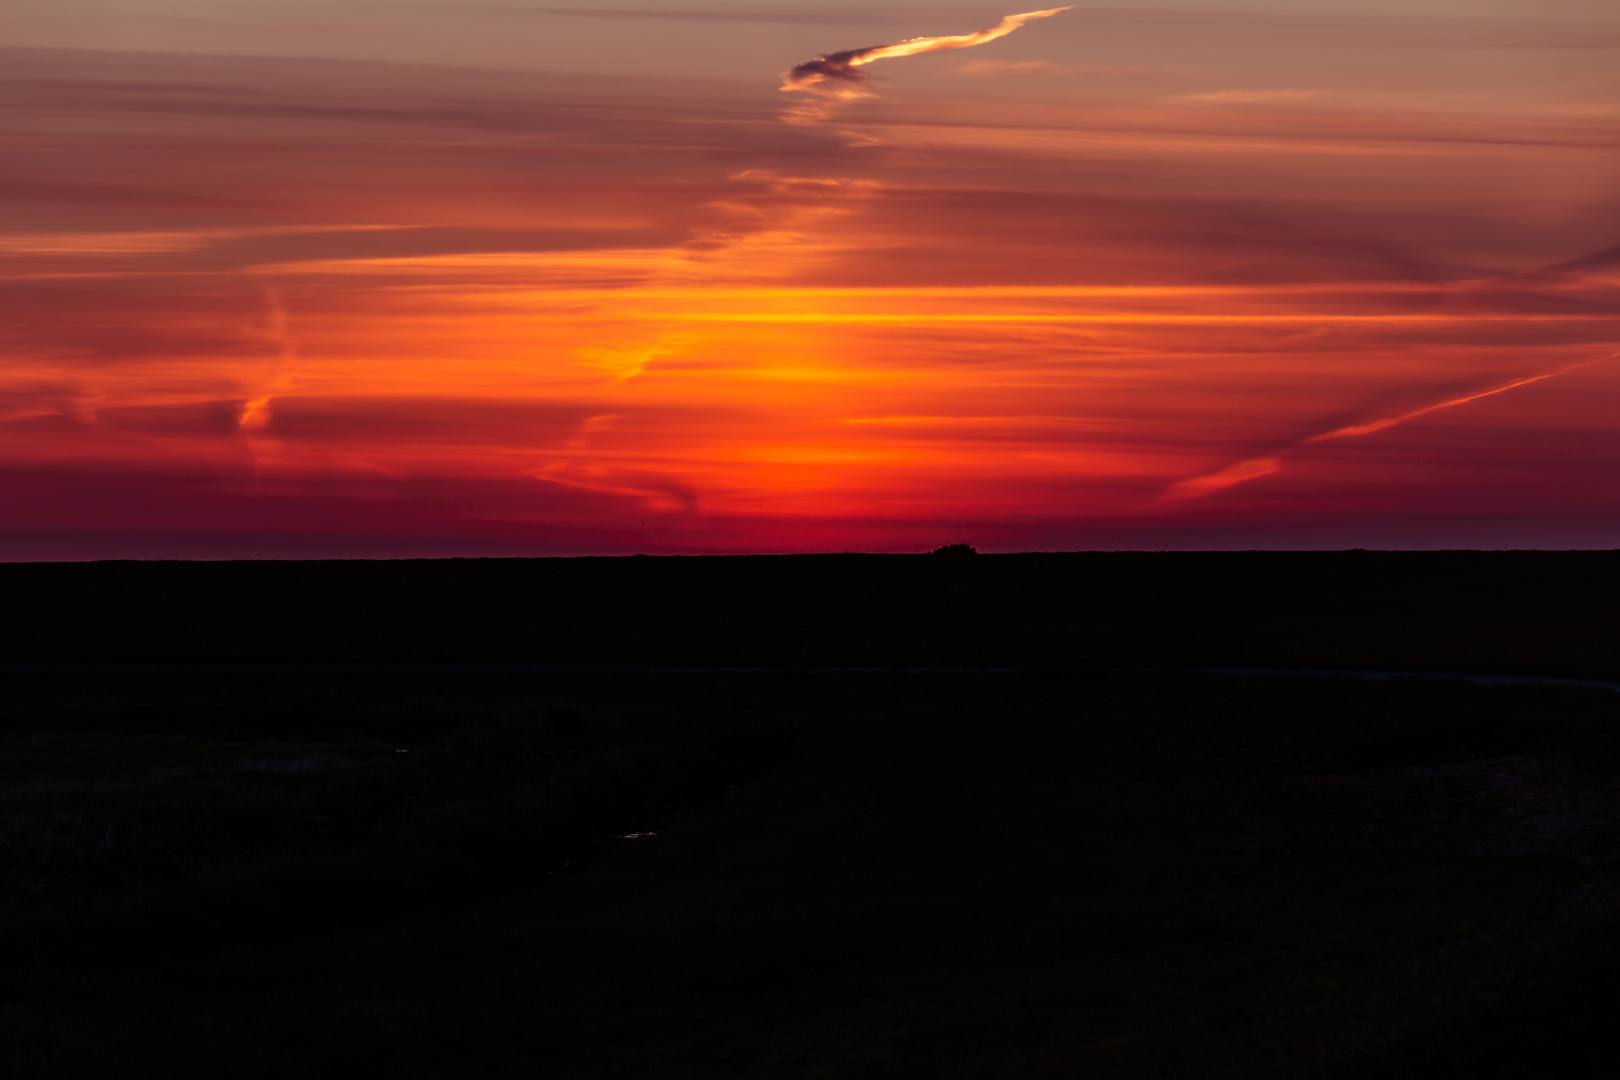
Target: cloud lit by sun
[
  {"x": 1172, "y": 294},
  {"x": 837, "y": 76}
]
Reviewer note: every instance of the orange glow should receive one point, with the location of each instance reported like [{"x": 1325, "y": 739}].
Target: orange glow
[{"x": 508, "y": 322}]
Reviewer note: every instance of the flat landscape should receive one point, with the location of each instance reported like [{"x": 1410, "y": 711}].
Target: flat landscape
[{"x": 1118, "y": 815}]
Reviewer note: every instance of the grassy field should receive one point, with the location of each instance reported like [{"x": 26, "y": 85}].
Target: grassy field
[{"x": 804, "y": 874}]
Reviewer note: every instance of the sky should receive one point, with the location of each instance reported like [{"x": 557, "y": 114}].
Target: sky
[{"x": 395, "y": 279}]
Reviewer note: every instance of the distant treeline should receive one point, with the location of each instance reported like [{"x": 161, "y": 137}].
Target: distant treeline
[{"x": 1527, "y": 612}]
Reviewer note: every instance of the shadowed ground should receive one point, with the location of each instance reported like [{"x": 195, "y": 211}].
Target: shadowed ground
[
  {"x": 1042, "y": 872},
  {"x": 970, "y": 875},
  {"x": 1538, "y": 612}
]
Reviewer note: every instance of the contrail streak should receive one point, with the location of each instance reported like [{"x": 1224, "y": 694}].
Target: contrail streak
[
  {"x": 1197, "y": 487},
  {"x": 836, "y": 74},
  {"x": 1380, "y": 425}
]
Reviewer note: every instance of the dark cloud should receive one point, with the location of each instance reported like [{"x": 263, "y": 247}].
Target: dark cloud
[
  {"x": 39, "y": 396},
  {"x": 417, "y": 242},
  {"x": 94, "y": 321},
  {"x": 1597, "y": 260},
  {"x": 64, "y": 512},
  {"x": 834, "y": 67},
  {"x": 188, "y": 419},
  {"x": 129, "y": 141}
]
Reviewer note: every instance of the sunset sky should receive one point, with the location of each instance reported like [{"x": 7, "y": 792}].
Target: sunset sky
[{"x": 390, "y": 278}]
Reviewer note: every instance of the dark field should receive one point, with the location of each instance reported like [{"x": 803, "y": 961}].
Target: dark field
[
  {"x": 1106, "y": 866},
  {"x": 1539, "y": 612}
]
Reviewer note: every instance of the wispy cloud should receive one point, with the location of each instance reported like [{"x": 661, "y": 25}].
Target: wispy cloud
[
  {"x": 838, "y": 76},
  {"x": 1247, "y": 97},
  {"x": 1047, "y": 67},
  {"x": 361, "y": 303},
  {"x": 1352, "y": 430},
  {"x": 1013, "y": 67},
  {"x": 1198, "y": 487},
  {"x": 1411, "y": 31},
  {"x": 1383, "y": 31}
]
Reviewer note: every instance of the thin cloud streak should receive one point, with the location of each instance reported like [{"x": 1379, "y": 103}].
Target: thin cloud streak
[
  {"x": 538, "y": 314},
  {"x": 837, "y": 75},
  {"x": 1382, "y": 425},
  {"x": 791, "y": 16},
  {"x": 1402, "y": 31},
  {"x": 1199, "y": 487}
]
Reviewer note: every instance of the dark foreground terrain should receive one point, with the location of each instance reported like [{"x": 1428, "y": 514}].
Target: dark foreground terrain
[
  {"x": 1515, "y": 611},
  {"x": 694, "y": 863}
]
